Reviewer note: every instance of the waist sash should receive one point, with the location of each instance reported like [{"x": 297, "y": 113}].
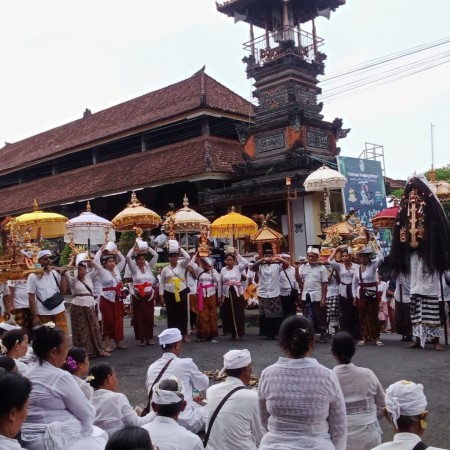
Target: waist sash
[{"x": 200, "y": 288}]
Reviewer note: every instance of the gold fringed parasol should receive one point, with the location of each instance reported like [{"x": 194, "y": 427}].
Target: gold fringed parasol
[
  {"x": 233, "y": 225},
  {"x": 186, "y": 220},
  {"x": 136, "y": 215},
  {"x": 46, "y": 224}
]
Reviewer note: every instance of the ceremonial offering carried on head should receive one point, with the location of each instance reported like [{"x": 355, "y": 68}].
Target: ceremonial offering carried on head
[{"x": 203, "y": 243}]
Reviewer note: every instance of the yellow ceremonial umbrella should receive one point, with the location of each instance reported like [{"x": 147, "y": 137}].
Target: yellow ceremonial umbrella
[
  {"x": 46, "y": 224},
  {"x": 233, "y": 225},
  {"x": 136, "y": 215}
]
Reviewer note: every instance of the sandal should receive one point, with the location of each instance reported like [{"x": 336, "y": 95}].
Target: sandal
[
  {"x": 140, "y": 344},
  {"x": 361, "y": 343},
  {"x": 379, "y": 344},
  {"x": 104, "y": 353},
  {"x": 108, "y": 350},
  {"x": 438, "y": 347}
]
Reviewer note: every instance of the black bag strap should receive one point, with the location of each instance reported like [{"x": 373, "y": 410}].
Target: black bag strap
[
  {"x": 292, "y": 287},
  {"x": 87, "y": 287},
  {"x": 216, "y": 412},
  {"x": 150, "y": 393},
  {"x": 420, "y": 446}
]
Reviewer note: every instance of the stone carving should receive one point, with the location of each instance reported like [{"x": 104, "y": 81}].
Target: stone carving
[{"x": 270, "y": 143}]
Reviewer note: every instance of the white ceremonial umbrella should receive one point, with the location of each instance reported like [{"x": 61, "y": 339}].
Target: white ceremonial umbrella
[
  {"x": 324, "y": 179},
  {"x": 89, "y": 229}
]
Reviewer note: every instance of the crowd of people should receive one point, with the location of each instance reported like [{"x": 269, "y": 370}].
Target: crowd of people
[{"x": 299, "y": 403}]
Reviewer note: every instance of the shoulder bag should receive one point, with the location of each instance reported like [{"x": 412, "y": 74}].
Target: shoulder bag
[
  {"x": 367, "y": 294},
  {"x": 55, "y": 300}
]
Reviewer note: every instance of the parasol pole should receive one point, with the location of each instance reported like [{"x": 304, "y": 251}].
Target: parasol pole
[
  {"x": 187, "y": 243},
  {"x": 189, "y": 314}
]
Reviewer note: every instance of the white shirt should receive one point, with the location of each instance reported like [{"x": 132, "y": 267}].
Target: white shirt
[
  {"x": 186, "y": 370},
  {"x": 232, "y": 277},
  {"x": 402, "y": 289},
  {"x": 159, "y": 241},
  {"x": 21, "y": 366},
  {"x": 269, "y": 280},
  {"x": 364, "y": 402},
  {"x": 168, "y": 274},
  {"x": 422, "y": 281},
  {"x": 345, "y": 275},
  {"x": 445, "y": 286},
  {"x": 82, "y": 296},
  {"x": 206, "y": 278},
  {"x": 403, "y": 441},
  {"x": 56, "y": 397},
  {"x": 20, "y": 293},
  {"x": 9, "y": 444},
  {"x": 166, "y": 434},
  {"x": 288, "y": 281},
  {"x": 368, "y": 276},
  {"x": 140, "y": 276},
  {"x": 313, "y": 277},
  {"x": 85, "y": 387},
  {"x": 302, "y": 406},
  {"x": 113, "y": 411},
  {"x": 44, "y": 287},
  {"x": 383, "y": 287},
  {"x": 333, "y": 286},
  {"x": 106, "y": 278},
  {"x": 237, "y": 425}
]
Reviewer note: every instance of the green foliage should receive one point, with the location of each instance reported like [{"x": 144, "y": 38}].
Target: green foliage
[
  {"x": 126, "y": 241},
  {"x": 396, "y": 193},
  {"x": 65, "y": 255},
  {"x": 442, "y": 174}
]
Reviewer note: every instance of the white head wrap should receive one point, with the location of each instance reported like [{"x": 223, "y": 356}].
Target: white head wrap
[
  {"x": 28, "y": 254},
  {"x": 169, "y": 336},
  {"x": 142, "y": 247},
  {"x": 405, "y": 398},
  {"x": 8, "y": 327},
  {"x": 110, "y": 247},
  {"x": 174, "y": 247},
  {"x": 208, "y": 261},
  {"x": 44, "y": 253},
  {"x": 81, "y": 257},
  {"x": 313, "y": 250},
  {"x": 164, "y": 397},
  {"x": 236, "y": 359}
]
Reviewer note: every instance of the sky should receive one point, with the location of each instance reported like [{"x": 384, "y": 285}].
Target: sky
[{"x": 60, "y": 57}]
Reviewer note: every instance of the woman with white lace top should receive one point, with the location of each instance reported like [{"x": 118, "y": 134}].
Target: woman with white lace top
[
  {"x": 365, "y": 293},
  {"x": 231, "y": 294},
  {"x": 300, "y": 401},
  {"x": 111, "y": 304},
  {"x": 363, "y": 394},
  {"x": 143, "y": 294}
]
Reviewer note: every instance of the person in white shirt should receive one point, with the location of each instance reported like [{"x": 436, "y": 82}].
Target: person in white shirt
[
  {"x": 14, "y": 392},
  {"x": 111, "y": 300},
  {"x": 403, "y": 307},
  {"x": 363, "y": 394},
  {"x": 112, "y": 409},
  {"x": 313, "y": 277},
  {"x": 383, "y": 314},
  {"x": 59, "y": 415},
  {"x": 4, "y": 298},
  {"x": 237, "y": 424},
  {"x": 300, "y": 401},
  {"x": 130, "y": 437},
  {"x": 42, "y": 287},
  {"x": 406, "y": 411},
  {"x": 186, "y": 370},
  {"x": 207, "y": 280},
  {"x": 288, "y": 290},
  {"x": 19, "y": 305},
  {"x": 167, "y": 403},
  {"x": 16, "y": 343},
  {"x": 77, "y": 364},
  {"x": 160, "y": 243},
  {"x": 173, "y": 291},
  {"x": 142, "y": 294},
  {"x": 267, "y": 273}
]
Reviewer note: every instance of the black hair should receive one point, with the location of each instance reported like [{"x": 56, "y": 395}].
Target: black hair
[
  {"x": 343, "y": 347},
  {"x": 130, "y": 438},
  {"x": 10, "y": 338},
  {"x": 296, "y": 334},
  {"x": 230, "y": 254},
  {"x": 100, "y": 372},
  {"x": 434, "y": 246},
  {"x": 174, "y": 408},
  {"x": 404, "y": 423},
  {"x": 235, "y": 372},
  {"x": 7, "y": 363},
  {"x": 45, "y": 339},
  {"x": 14, "y": 391},
  {"x": 169, "y": 347},
  {"x": 78, "y": 354}
]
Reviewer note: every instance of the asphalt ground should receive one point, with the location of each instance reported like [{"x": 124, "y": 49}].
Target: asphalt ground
[{"x": 390, "y": 363}]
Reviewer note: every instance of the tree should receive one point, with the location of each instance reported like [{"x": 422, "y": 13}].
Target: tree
[{"x": 441, "y": 174}]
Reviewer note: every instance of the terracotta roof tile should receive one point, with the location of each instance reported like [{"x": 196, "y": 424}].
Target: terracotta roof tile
[
  {"x": 110, "y": 123},
  {"x": 201, "y": 156}
]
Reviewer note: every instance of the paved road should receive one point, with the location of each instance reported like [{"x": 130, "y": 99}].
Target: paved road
[{"x": 390, "y": 363}]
